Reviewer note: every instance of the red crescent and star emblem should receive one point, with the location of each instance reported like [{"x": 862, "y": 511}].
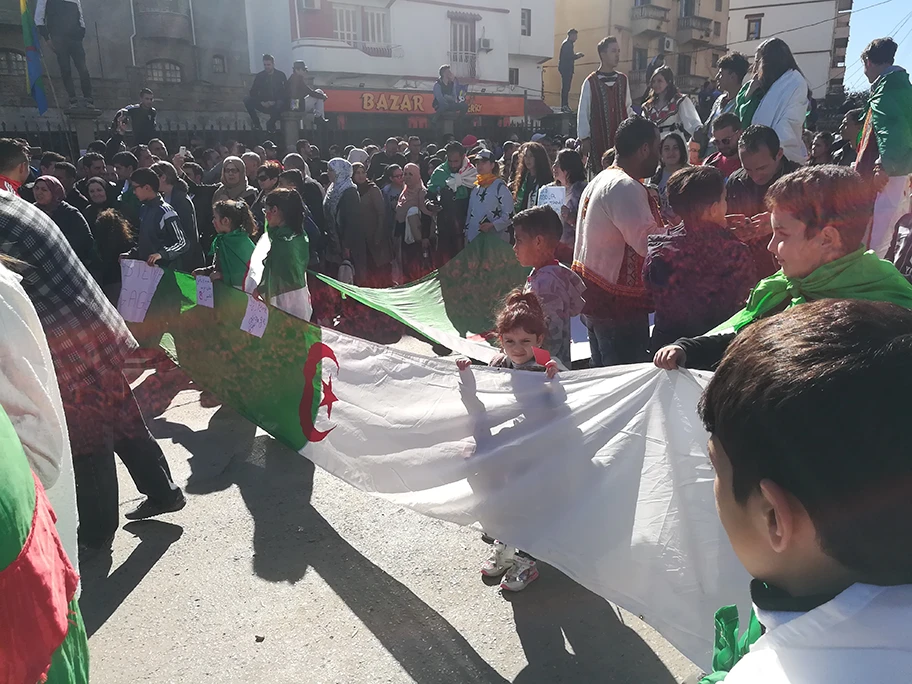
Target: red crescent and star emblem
[{"x": 318, "y": 352}]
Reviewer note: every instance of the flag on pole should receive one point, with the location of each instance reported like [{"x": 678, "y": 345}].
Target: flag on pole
[
  {"x": 608, "y": 466},
  {"x": 34, "y": 78}
]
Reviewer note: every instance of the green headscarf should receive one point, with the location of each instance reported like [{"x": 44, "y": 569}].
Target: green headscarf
[
  {"x": 859, "y": 275},
  {"x": 232, "y": 252}
]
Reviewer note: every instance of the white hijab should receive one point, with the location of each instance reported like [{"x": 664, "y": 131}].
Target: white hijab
[
  {"x": 358, "y": 155},
  {"x": 343, "y": 173}
]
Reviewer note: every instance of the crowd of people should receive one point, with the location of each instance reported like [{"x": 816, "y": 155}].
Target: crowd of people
[{"x": 707, "y": 221}]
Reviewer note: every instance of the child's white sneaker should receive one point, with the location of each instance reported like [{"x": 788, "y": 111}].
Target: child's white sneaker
[
  {"x": 500, "y": 560},
  {"x": 520, "y": 575}
]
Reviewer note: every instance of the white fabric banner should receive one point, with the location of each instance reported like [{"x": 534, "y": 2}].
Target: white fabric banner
[{"x": 602, "y": 473}]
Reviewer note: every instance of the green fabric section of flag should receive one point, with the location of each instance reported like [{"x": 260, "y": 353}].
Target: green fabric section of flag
[
  {"x": 261, "y": 378},
  {"x": 285, "y": 267},
  {"x": 461, "y": 298}
]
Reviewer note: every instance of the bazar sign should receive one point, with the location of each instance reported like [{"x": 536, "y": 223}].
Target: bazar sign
[{"x": 411, "y": 102}]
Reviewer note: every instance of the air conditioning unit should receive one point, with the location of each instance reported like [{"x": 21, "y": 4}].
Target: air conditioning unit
[
  {"x": 484, "y": 45},
  {"x": 668, "y": 44}
]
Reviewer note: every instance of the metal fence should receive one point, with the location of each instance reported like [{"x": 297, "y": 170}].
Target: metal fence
[
  {"x": 63, "y": 139},
  {"x": 45, "y": 136}
]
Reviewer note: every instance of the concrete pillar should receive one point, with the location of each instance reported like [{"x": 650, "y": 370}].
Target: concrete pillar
[
  {"x": 84, "y": 122},
  {"x": 291, "y": 130}
]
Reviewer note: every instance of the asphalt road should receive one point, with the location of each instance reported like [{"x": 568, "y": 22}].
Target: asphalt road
[{"x": 276, "y": 572}]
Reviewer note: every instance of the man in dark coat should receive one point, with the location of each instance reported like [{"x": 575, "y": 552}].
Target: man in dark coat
[{"x": 267, "y": 94}]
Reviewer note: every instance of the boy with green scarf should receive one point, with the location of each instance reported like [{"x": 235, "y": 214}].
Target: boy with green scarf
[{"x": 820, "y": 215}]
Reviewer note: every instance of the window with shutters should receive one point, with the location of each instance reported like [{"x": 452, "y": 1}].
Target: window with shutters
[
  {"x": 162, "y": 71},
  {"x": 463, "y": 48},
  {"x": 12, "y": 63},
  {"x": 347, "y": 23},
  {"x": 684, "y": 62},
  {"x": 376, "y": 26},
  {"x": 525, "y": 21}
]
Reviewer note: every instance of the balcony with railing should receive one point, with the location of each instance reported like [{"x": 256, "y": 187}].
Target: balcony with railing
[
  {"x": 693, "y": 29},
  {"x": 688, "y": 83},
  {"x": 638, "y": 82},
  {"x": 464, "y": 65},
  {"x": 649, "y": 20}
]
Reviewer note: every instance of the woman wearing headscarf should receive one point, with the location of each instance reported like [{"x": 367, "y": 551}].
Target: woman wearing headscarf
[
  {"x": 234, "y": 183},
  {"x": 377, "y": 235},
  {"x": 358, "y": 156},
  {"x": 413, "y": 226},
  {"x": 341, "y": 214},
  {"x": 776, "y": 96},
  {"x": 49, "y": 194}
]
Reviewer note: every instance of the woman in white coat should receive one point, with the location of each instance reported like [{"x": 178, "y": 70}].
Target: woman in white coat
[
  {"x": 31, "y": 397},
  {"x": 776, "y": 96}
]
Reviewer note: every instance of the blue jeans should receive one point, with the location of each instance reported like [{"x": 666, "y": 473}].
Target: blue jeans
[{"x": 616, "y": 342}]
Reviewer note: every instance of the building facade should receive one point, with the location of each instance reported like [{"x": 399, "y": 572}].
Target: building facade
[
  {"x": 192, "y": 53},
  {"x": 817, "y": 32},
  {"x": 690, "y": 34},
  {"x": 382, "y": 56}
]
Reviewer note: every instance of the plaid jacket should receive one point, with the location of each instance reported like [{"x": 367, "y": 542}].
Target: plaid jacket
[{"x": 86, "y": 335}]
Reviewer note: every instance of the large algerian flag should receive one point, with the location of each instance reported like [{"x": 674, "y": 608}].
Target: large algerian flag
[
  {"x": 602, "y": 473},
  {"x": 455, "y": 305}
]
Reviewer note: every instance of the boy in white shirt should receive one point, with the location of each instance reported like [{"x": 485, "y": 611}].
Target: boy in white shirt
[{"x": 814, "y": 488}]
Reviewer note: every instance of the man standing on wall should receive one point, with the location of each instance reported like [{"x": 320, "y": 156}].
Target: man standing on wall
[
  {"x": 61, "y": 24},
  {"x": 565, "y": 66},
  {"x": 604, "y": 103},
  {"x": 267, "y": 94}
]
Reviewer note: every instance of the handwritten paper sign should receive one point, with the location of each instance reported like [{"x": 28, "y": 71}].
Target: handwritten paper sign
[
  {"x": 552, "y": 196},
  {"x": 256, "y": 318},
  {"x": 139, "y": 282},
  {"x": 204, "y": 295}
]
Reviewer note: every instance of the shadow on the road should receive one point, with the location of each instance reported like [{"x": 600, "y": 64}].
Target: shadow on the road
[
  {"x": 228, "y": 436},
  {"x": 102, "y": 594},
  {"x": 290, "y": 536},
  {"x": 556, "y": 608}
]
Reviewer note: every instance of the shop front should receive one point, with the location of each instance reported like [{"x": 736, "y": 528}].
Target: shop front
[{"x": 360, "y": 109}]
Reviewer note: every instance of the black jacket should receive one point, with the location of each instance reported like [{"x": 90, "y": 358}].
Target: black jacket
[
  {"x": 75, "y": 229},
  {"x": 268, "y": 87},
  {"x": 567, "y": 59},
  {"x": 380, "y": 161},
  {"x": 143, "y": 121},
  {"x": 186, "y": 212}
]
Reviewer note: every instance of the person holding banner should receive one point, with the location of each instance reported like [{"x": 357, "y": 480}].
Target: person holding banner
[{"x": 89, "y": 343}]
